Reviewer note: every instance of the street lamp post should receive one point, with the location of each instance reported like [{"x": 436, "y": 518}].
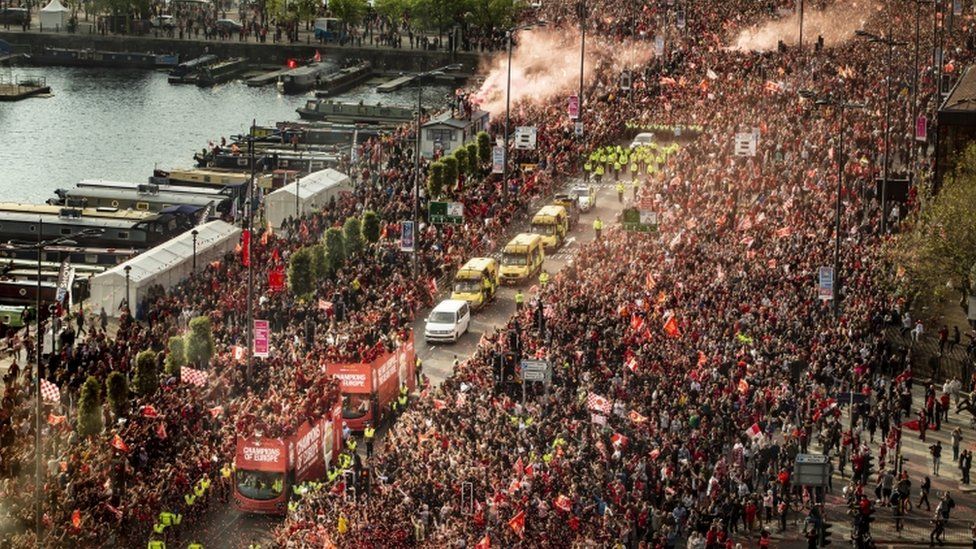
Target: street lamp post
[
  {"x": 843, "y": 106},
  {"x": 579, "y": 113},
  {"x": 890, "y": 42},
  {"x": 194, "y": 232},
  {"x": 508, "y": 104},
  {"x": 128, "y": 307},
  {"x": 418, "y": 78},
  {"x": 39, "y": 246}
]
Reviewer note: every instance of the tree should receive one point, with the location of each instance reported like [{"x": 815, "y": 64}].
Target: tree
[
  {"x": 350, "y": 12},
  {"x": 473, "y": 163},
  {"x": 392, "y": 9},
  {"x": 146, "y": 377},
  {"x": 90, "y": 408},
  {"x": 301, "y": 271},
  {"x": 489, "y": 14},
  {"x": 320, "y": 264},
  {"x": 371, "y": 227},
  {"x": 484, "y": 148},
  {"x": 117, "y": 389},
  {"x": 353, "y": 235},
  {"x": 461, "y": 156},
  {"x": 335, "y": 250},
  {"x": 435, "y": 184},
  {"x": 438, "y": 14},
  {"x": 200, "y": 341},
  {"x": 940, "y": 248},
  {"x": 450, "y": 171},
  {"x": 176, "y": 355}
]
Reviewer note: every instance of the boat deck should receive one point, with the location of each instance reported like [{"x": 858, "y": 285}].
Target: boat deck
[
  {"x": 396, "y": 84},
  {"x": 14, "y": 91},
  {"x": 266, "y": 78}
]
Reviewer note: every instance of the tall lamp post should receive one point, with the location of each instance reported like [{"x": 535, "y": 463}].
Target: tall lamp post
[
  {"x": 39, "y": 246},
  {"x": 579, "y": 114},
  {"x": 418, "y": 78},
  {"x": 508, "y": 104},
  {"x": 194, "y": 232},
  {"x": 128, "y": 306},
  {"x": 890, "y": 42},
  {"x": 843, "y": 106}
]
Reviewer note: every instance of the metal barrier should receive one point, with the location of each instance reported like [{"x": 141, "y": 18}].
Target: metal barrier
[
  {"x": 914, "y": 528},
  {"x": 926, "y": 358}
]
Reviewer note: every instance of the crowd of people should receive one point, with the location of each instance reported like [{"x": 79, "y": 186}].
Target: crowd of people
[{"x": 690, "y": 365}]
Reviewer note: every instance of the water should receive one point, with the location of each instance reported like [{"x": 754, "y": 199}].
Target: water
[{"x": 120, "y": 124}]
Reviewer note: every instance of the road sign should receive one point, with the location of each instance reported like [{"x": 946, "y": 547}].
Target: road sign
[
  {"x": 525, "y": 137},
  {"x": 745, "y": 144},
  {"x": 446, "y": 212},
  {"x": 811, "y": 470},
  {"x": 825, "y": 285},
  {"x": 641, "y": 221},
  {"x": 537, "y": 370}
]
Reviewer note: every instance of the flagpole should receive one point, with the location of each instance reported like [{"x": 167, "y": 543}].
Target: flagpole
[
  {"x": 250, "y": 273},
  {"x": 37, "y": 393}
]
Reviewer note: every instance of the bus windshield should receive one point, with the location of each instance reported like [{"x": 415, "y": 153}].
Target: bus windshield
[
  {"x": 466, "y": 286},
  {"x": 514, "y": 259},
  {"x": 355, "y": 406},
  {"x": 260, "y": 485},
  {"x": 539, "y": 228}
]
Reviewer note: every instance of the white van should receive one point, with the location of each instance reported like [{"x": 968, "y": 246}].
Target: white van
[{"x": 449, "y": 320}]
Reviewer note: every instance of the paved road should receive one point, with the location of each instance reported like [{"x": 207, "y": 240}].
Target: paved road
[{"x": 226, "y": 527}]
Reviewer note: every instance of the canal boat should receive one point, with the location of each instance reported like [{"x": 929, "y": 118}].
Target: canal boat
[
  {"x": 352, "y": 113},
  {"x": 302, "y": 79},
  {"x": 215, "y": 193},
  {"x": 119, "y": 228},
  {"x": 344, "y": 79},
  {"x": 96, "y": 58},
  {"x": 221, "y": 72},
  {"x": 15, "y": 293},
  {"x": 78, "y": 255},
  {"x": 186, "y": 72},
  {"x": 149, "y": 198}
]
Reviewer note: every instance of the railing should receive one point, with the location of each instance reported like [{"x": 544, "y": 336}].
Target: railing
[
  {"x": 914, "y": 528},
  {"x": 928, "y": 361}
]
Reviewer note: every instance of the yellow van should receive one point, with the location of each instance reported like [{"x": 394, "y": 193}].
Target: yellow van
[
  {"x": 552, "y": 224},
  {"x": 522, "y": 258},
  {"x": 476, "y": 281}
]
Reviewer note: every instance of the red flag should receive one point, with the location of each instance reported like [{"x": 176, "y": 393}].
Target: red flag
[
  {"x": 276, "y": 279},
  {"x": 149, "y": 412},
  {"x": 325, "y": 305},
  {"x": 754, "y": 431},
  {"x": 439, "y": 404},
  {"x": 161, "y": 430},
  {"x": 514, "y": 486},
  {"x": 245, "y": 248},
  {"x": 517, "y": 524},
  {"x": 529, "y": 470},
  {"x": 636, "y": 417},
  {"x": 519, "y": 467},
  {"x": 485, "y": 543},
  {"x": 318, "y": 56},
  {"x": 563, "y": 503},
  {"x": 671, "y": 327},
  {"x": 76, "y": 518},
  {"x": 636, "y": 323},
  {"x": 619, "y": 440},
  {"x": 275, "y": 256},
  {"x": 119, "y": 444},
  {"x": 339, "y": 488},
  {"x": 53, "y": 420},
  {"x": 631, "y": 364},
  {"x": 702, "y": 359}
]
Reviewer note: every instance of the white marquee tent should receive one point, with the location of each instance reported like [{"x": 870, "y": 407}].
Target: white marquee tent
[
  {"x": 314, "y": 191},
  {"x": 55, "y": 16},
  {"x": 165, "y": 265}
]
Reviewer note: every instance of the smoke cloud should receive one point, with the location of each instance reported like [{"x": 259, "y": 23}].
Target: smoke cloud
[
  {"x": 836, "y": 24},
  {"x": 546, "y": 63}
]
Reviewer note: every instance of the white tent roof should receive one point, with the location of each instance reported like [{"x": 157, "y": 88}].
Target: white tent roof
[
  {"x": 166, "y": 265},
  {"x": 54, "y": 6},
  {"x": 314, "y": 183}
]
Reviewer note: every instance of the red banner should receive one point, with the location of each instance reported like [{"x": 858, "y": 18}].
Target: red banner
[
  {"x": 261, "y": 454},
  {"x": 246, "y": 248},
  {"x": 276, "y": 279}
]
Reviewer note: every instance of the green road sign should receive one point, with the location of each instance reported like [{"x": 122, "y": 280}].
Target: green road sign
[
  {"x": 446, "y": 212},
  {"x": 642, "y": 221}
]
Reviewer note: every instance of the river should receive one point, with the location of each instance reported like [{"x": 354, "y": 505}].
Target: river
[{"x": 120, "y": 124}]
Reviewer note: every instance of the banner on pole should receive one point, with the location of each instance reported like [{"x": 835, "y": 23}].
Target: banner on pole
[
  {"x": 262, "y": 333},
  {"x": 407, "y": 236},
  {"x": 825, "y": 287},
  {"x": 921, "y": 129},
  {"x": 497, "y": 160},
  {"x": 573, "y": 107},
  {"x": 64, "y": 282}
]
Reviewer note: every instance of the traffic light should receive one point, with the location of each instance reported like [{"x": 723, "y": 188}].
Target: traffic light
[{"x": 825, "y": 534}]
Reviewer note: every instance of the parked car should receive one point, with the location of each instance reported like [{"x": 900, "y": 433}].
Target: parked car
[
  {"x": 165, "y": 22},
  {"x": 642, "y": 139},
  {"x": 227, "y": 25},
  {"x": 14, "y": 16}
]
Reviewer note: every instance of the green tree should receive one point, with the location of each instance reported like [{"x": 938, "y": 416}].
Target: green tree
[
  {"x": 489, "y": 14},
  {"x": 200, "y": 342},
  {"x": 350, "y": 12},
  {"x": 90, "y": 408},
  {"x": 320, "y": 264},
  {"x": 484, "y": 148},
  {"x": 335, "y": 249},
  {"x": 461, "y": 155},
  {"x": 176, "y": 355},
  {"x": 450, "y": 171},
  {"x": 301, "y": 271},
  {"x": 473, "y": 164},
  {"x": 437, "y": 15},
  {"x": 117, "y": 390},
  {"x": 435, "y": 183},
  {"x": 392, "y": 9},
  {"x": 146, "y": 378},
  {"x": 937, "y": 248},
  {"x": 353, "y": 235},
  {"x": 371, "y": 227}
]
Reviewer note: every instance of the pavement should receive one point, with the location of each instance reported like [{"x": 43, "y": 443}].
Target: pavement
[{"x": 223, "y": 526}]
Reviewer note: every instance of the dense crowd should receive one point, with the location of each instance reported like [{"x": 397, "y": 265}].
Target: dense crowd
[{"x": 691, "y": 345}]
